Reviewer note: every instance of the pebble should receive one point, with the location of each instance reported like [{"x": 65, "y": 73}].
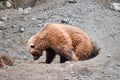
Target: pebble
[
  {"x": 40, "y": 25},
  {"x": 115, "y": 6},
  {"x": 4, "y": 18},
  {"x": 109, "y": 56},
  {"x": 39, "y": 18},
  {"x": 8, "y": 4},
  {"x": 24, "y": 11},
  {"x": 65, "y": 78},
  {"x": 118, "y": 65},
  {"x": 42, "y": 57},
  {"x": 71, "y": 65},
  {"x": 33, "y": 19},
  {"x": 68, "y": 62},
  {"x": 27, "y": 10},
  {"x": 2, "y": 25},
  {"x": 22, "y": 29},
  {"x": 13, "y": 26},
  {"x": 25, "y": 19},
  {"x": 25, "y": 58},
  {"x": 108, "y": 75},
  {"x": 72, "y": 1},
  {"x": 65, "y": 20}
]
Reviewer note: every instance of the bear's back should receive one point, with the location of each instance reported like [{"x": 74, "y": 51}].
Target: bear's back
[
  {"x": 66, "y": 28},
  {"x": 76, "y": 34},
  {"x": 71, "y": 30}
]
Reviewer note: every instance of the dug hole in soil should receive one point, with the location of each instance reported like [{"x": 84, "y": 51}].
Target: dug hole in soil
[{"x": 94, "y": 17}]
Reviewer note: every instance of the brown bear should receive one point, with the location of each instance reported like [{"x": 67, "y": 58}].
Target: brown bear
[{"x": 69, "y": 42}]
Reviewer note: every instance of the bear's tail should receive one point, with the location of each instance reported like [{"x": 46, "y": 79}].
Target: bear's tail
[{"x": 95, "y": 50}]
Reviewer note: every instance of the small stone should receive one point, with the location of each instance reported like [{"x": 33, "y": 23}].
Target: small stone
[
  {"x": 118, "y": 65},
  {"x": 68, "y": 62},
  {"x": 25, "y": 58},
  {"x": 26, "y": 10},
  {"x": 39, "y": 18},
  {"x": 72, "y": 1},
  {"x": 8, "y": 4},
  {"x": 115, "y": 6},
  {"x": 40, "y": 25},
  {"x": 13, "y": 26},
  {"x": 4, "y": 18},
  {"x": 71, "y": 65},
  {"x": 108, "y": 75},
  {"x": 33, "y": 19},
  {"x": 2, "y": 26},
  {"x": 109, "y": 56},
  {"x": 66, "y": 20},
  {"x": 65, "y": 78},
  {"x": 25, "y": 19},
  {"x": 22, "y": 29},
  {"x": 42, "y": 57}
]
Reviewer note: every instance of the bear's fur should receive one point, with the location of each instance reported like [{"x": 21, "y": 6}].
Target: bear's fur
[{"x": 71, "y": 43}]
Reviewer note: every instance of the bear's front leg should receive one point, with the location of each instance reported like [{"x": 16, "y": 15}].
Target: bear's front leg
[{"x": 50, "y": 55}]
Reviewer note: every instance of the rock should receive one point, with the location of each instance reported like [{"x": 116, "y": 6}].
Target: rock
[
  {"x": 68, "y": 62},
  {"x": 4, "y": 18},
  {"x": 22, "y": 29},
  {"x": 65, "y": 78},
  {"x": 13, "y": 26},
  {"x": 25, "y": 19},
  {"x": 72, "y": 1},
  {"x": 65, "y": 20},
  {"x": 109, "y": 56},
  {"x": 8, "y": 4},
  {"x": 2, "y": 26},
  {"x": 26, "y": 11},
  {"x": 118, "y": 65},
  {"x": 71, "y": 65},
  {"x": 40, "y": 25},
  {"x": 39, "y": 18},
  {"x": 33, "y": 19},
  {"x": 25, "y": 57},
  {"x": 42, "y": 57},
  {"x": 115, "y": 6}
]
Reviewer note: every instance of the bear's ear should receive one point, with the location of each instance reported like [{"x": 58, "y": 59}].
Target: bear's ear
[{"x": 32, "y": 46}]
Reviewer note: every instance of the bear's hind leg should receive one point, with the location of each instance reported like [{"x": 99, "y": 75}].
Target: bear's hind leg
[
  {"x": 69, "y": 55},
  {"x": 50, "y": 55},
  {"x": 63, "y": 59}
]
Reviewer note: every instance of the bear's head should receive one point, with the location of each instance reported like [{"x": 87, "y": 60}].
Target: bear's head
[{"x": 36, "y": 46}]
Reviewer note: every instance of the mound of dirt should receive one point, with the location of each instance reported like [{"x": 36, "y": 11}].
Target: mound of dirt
[{"x": 94, "y": 17}]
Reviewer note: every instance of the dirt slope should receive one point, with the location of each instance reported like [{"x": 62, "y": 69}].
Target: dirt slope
[{"x": 94, "y": 17}]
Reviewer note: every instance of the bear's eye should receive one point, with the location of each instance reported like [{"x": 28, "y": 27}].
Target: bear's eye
[{"x": 32, "y": 46}]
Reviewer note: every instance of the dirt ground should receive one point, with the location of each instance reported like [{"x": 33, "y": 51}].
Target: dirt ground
[{"x": 94, "y": 17}]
